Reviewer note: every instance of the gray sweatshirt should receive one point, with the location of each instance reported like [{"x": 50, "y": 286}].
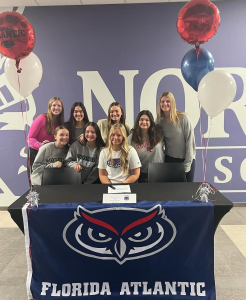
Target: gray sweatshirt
[
  {"x": 146, "y": 154},
  {"x": 47, "y": 157},
  {"x": 87, "y": 157},
  {"x": 180, "y": 140}
]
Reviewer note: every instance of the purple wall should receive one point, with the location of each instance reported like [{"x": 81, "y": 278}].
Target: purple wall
[{"x": 111, "y": 38}]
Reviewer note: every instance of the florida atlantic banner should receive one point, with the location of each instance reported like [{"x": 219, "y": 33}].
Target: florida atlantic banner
[{"x": 146, "y": 250}]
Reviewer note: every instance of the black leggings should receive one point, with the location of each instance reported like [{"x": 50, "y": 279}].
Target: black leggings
[
  {"x": 30, "y": 159},
  {"x": 190, "y": 174}
]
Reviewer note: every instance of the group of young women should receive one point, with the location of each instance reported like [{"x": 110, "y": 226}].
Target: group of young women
[{"x": 110, "y": 150}]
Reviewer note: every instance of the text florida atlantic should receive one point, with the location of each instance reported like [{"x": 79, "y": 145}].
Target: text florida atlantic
[{"x": 127, "y": 288}]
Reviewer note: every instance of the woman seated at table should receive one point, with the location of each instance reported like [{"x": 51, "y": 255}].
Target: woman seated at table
[
  {"x": 147, "y": 139},
  {"x": 84, "y": 157},
  {"x": 119, "y": 162},
  {"x": 51, "y": 155},
  {"x": 78, "y": 119},
  {"x": 115, "y": 115}
]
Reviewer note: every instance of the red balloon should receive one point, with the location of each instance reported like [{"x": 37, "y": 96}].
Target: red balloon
[
  {"x": 198, "y": 21},
  {"x": 17, "y": 37}
]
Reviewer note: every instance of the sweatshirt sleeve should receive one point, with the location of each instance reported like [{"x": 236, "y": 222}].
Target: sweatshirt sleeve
[
  {"x": 70, "y": 159},
  {"x": 94, "y": 173},
  {"x": 128, "y": 129},
  {"x": 39, "y": 162},
  {"x": 52, "y": 165},
  {"x": 34, "y": 131},
  {"x": 189, "y": 142},
  {"x": 129, "y": 139}
]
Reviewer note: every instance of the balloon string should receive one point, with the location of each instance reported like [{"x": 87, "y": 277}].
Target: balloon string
[
  {"x": 204, "y": 157},
  {"x": 28, "y": 159},
  {"x": 205, "y": 165},
  {"x": 17, "y": 66}
]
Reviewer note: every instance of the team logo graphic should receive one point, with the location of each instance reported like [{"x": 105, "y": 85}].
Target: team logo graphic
[
  {"x": 114, "y": 163},
  {"x": 119, "y": 233},
  {"x": 149, "y": 149}
]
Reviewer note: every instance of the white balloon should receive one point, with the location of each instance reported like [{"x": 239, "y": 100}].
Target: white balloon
[
  {"x": 29, "y": 77},
  {"x": 216, "y": 91}
]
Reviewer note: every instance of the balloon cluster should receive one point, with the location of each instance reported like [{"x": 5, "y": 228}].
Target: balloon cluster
[
  {"x": 197, "y": 22},
  {"x": 17, "y": 40}
]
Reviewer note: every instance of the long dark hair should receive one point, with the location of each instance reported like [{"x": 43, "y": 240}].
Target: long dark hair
[
  {"x": 154, "y": 131},
  {"x": 99, "y": 141},
  {"x": 71, "y": 123}
]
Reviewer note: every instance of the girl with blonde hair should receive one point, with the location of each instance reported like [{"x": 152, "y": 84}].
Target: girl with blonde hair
[
  {"x": 178, "y": 134},
  {"x": 119, "y": 162},
  {"x": 43, "y": 127},
  {"x": 115, "y": 115}
]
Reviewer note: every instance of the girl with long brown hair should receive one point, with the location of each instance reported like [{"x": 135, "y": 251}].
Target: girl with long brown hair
[
  {"x": 119, "y": 162},
  {"x": 78, "y": 119},
  {"x": 147, "y": 139},
  {"x": 115, "y": 115},
  {"x": 178, "y": 134},
  {"x": 43, "y": 127},
  {"x": 83, "y": 158}
]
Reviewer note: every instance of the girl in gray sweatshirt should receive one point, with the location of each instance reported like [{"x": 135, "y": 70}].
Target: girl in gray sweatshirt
[
  {"x": 50, "y": 155},
  {"x": 84, "y": 157},
  {"x": 178, "y": 134}
]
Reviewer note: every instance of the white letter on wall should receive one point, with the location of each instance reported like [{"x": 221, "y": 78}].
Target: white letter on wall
[
  {"x": 149, "y": 94},
  {"x": 93, "y": 82},
  {"x": 129, "y": 95},
  {"x": 223, "y": 169}
]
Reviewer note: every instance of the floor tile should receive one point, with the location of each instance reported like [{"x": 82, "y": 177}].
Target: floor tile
[
  {"x": 7, "y": 222},
  {"x": 13, "y": 292},
  {"x": 236, "y": 216},
  {"x": 3, "y": 214},
  {"x": 237, "y": 233},
  {"x": 10, "y": 234},
  {"x": 231, "y": 294}
]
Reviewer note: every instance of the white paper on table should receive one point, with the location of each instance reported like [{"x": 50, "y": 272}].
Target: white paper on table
[
  {"x": 119, "y": 198},
  {"x": 119, "y": 189}
]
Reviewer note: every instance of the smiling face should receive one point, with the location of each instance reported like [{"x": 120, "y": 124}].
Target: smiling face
[
  {"x": 115, "y": 114},
  {"x": 144, "y": 122},
  {"x": 62, "y": 138},
  {"x": 78, "y": 114},
  {"x": 165, "y": 104},
  {"x": 90, "y": 134},
  {"x": 56, "y": 108},
  {"x": 116, "y": 137}
]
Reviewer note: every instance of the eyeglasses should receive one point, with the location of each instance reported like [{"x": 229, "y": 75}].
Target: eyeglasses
[{"x": 78, "y": 112}]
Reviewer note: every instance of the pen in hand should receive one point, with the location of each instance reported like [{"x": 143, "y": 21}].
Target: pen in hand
[{"x": 112, "y": 187}]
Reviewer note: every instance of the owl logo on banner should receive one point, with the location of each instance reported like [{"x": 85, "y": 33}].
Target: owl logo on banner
[{"x": 119, "y": 233}]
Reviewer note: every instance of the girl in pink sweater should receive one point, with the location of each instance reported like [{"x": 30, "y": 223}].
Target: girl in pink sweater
[{"x": 43, "y": 127}]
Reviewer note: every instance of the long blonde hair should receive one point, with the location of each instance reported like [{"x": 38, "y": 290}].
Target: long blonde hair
[
  {"x": 174, "y": 113},
  {"x": 49, "y": 116},
  {"x": 124, "y": 146}
]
